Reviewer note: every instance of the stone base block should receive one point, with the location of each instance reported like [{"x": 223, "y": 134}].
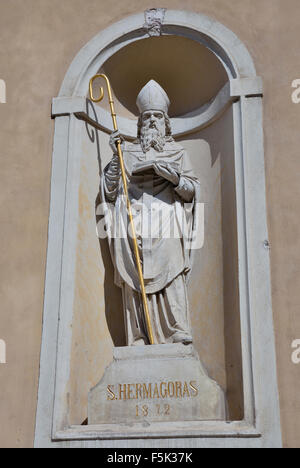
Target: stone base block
[{"x": 155, "y": 383}]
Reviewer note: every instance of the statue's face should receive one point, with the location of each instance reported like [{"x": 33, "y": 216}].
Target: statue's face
[
  {"x": 154, "y": 119},
  {"x": 153, "y": 130}
]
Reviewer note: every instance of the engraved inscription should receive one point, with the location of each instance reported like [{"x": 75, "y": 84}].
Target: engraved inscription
[
  {"x": 146, "y": 410},
  {"x": 150, "y": 391}
]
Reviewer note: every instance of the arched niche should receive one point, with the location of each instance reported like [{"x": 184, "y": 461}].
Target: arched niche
[{"x": 217, "y": 115}]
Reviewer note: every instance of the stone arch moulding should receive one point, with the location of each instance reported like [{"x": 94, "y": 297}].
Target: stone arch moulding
[{"x": 261, "y": 424}]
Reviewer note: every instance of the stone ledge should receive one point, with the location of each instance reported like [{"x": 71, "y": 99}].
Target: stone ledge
[
  {"x": 164, "y": 351},
  {"x": 188, "y": 429}
]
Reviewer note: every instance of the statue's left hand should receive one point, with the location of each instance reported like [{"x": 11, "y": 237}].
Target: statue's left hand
[{"x": 167, "y": 172}]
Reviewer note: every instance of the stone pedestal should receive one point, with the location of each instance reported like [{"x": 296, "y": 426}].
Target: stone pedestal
[{"x": 155, "y": 383}]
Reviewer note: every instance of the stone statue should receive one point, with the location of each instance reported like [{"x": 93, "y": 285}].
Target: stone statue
[
  {"x": 168, "y": 381},
  {"x": 164, "y": 194}
]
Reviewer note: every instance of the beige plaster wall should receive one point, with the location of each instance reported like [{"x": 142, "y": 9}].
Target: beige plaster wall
[{"x": 39, "y": 38}]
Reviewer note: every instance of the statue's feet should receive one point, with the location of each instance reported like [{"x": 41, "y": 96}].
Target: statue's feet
[{"x": 183, "y": 338}]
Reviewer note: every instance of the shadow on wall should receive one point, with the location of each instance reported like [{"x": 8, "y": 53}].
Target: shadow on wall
[
  {"x": 220, "y": 139},
  {"x": 232, "y": 332},
  {"x": 112, "y": 294},
  {"x": 175, "y": 62}
]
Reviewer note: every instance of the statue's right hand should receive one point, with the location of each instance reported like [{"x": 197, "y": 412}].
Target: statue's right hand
[{"x": 113, "y": 139}]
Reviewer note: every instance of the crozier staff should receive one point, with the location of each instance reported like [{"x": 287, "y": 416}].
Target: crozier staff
[{"x": 117, "y": 142}]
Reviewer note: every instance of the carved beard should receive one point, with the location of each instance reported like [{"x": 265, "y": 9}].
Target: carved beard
[{"x": 152, "y": 137}]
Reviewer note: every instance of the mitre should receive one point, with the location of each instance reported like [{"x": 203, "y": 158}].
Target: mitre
[{"x": 152, "y": 97}]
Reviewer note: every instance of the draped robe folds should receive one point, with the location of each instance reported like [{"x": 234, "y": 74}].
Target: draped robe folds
[{"x": 165, "y": 219}]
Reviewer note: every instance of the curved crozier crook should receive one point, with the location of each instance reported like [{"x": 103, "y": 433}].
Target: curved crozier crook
[{"x": 93, "y": 99}]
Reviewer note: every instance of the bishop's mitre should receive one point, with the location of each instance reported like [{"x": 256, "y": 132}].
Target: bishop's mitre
[{"x": 152, "y": 97}]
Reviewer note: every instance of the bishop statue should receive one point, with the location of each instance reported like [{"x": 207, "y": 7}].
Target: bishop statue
[{"x": 164, "y": 194}]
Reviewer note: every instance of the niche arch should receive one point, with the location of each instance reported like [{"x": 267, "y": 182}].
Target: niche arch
[{"x": 242, "y": 93}]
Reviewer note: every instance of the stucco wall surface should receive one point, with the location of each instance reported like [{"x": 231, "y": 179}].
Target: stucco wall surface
[{"x": 39, "y": 39}]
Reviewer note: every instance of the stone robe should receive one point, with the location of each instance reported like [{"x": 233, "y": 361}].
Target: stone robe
[{"x": 165, "y": 221}]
